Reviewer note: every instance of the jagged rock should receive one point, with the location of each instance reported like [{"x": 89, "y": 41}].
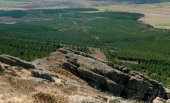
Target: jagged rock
[
  {"x": 118, "y": 77},
  {"x": 43, "y": 75},
  {"x": 91, "y": 76},
  {"x": 137, "y": 88},
  {"x": 70, "y": 67},
  {"x": 1, "y": 69},
  {"x": 125, "y": 70},
  {"x": 73, "y": 61},
  {"x": 114, "y": 88},
  {"x": 159, "y": 100},
  {"x": 63, "y": 50},
  {"x": 13, "y": 61},
  {"x": 167, "y": 93},
  {"x": 117, "y": 80}
]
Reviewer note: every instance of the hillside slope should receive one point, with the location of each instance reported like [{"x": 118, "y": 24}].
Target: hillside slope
[{"x": 69, "y": 76}]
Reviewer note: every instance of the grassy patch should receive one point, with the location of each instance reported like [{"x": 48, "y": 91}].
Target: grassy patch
[{"x": 164, "y": 25}]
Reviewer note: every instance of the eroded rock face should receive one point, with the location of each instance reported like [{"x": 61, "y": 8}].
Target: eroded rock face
[
  {"x": 1, "y": 69},
  {"x": 15, "y": 61},
  {"x": 73, "y": 70},
  {"x": 168, "y": 101},
  {"x": 99, "y": 75},
  {"x": 167, "y": 93},
  {"x": 43, "y": 75},
  {"x": 159, "y": 100},
  {"x": 114, "y": 100}
]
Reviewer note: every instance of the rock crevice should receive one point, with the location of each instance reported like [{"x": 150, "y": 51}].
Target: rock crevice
[
  {"x": 125, "y": 84},
  {"x": 13, "y": 61}
]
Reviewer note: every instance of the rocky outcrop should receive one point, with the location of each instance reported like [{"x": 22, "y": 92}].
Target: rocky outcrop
[
  {"x": 43, "y": 75},
  {"x": 13, "y": 61},
  {"x": 168, "y": 101},
  {"x": 73, "y": 71},
  {"x": 159, "y": 100},
  {"x": 114, "y": 100},
  {"x": 167, "y": 93},
  {"x": 1, "y": 69},
  {"x": 119, "y": 82}
]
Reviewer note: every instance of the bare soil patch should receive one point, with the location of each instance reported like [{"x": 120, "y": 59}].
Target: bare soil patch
[{"x": 96, "y": 52}]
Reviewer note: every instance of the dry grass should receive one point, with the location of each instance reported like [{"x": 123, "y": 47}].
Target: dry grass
[
  {"x": 47, "y": 98},
  {"x": 20, "y": 85}
]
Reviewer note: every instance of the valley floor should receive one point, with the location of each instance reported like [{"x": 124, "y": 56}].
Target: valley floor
[{"x": 157, "y": 15}]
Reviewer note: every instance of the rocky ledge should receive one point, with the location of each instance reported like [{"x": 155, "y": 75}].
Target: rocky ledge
[
  {"x": 114, "y": 80},
  {"x": 79, "y": 72},
  {"x": 13, "y": 61}
]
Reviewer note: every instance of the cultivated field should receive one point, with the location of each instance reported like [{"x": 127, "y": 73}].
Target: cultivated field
[{"x": 157, "y": 15}]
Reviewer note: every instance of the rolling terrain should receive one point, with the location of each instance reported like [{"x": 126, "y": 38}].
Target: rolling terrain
[
  {"x": 70, "y": 76},
  {"x": 99, "y": 43},
  {"x": 157, "y": 13},
  {"x": 119, "y": 34}
]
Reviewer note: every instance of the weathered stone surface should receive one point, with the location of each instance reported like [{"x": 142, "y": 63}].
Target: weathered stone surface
[
  {"x": 43, "y": 75},
  {"x": 138, "y": 86},
  {"x": 115, "y": 100},
  {"x": 70, "y": 67},
  {"x": 1, "y": 69},
  {"x": 167, "y": 93},
  {"x": 159, "y": 100},
  {"x": 91, "y": 76},
  {"x": 125, "y": 70},
  {"x": 168, "y": 101},
  {"x": 119, "y": 77},
  {"x": 82, "y": 99},
  {"x": 114, "y": 88},
  {"x": 13, "y": 61},
  {"x": 116, "y": 80}
]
